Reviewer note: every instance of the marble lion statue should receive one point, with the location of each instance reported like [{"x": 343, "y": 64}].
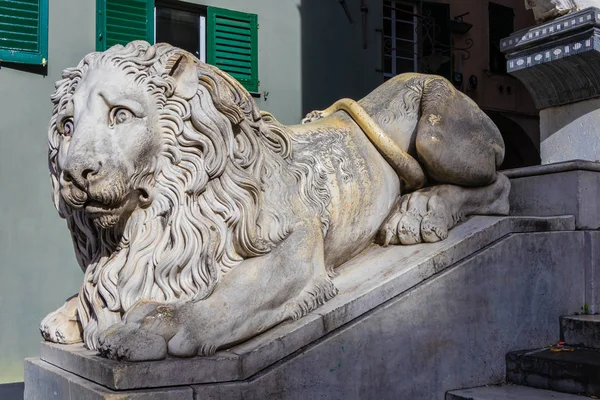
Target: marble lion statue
[{"x": 200, "y": 221}]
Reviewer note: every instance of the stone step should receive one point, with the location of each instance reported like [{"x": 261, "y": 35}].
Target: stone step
[
  {"x": 581, "y": 330},
  {"x": 576, "y": 371},
  {"x": 508, "y": 392}
]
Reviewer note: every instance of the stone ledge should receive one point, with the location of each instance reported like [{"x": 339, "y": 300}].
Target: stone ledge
[
  {"x": 567, "y": 188},
  {"x": 536, "y": 170},
  {"x": 45, "y": 381},
  {"x": 576, "y": 371},
  {"x": 581, "y": 330},
  {"x": 392, "y": 271},
  {"x": 504, "y": 392}
]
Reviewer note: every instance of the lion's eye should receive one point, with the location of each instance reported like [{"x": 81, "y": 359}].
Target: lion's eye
[
  {"x": 120, "y": 115},
  {"x": 67, "y": 127}
]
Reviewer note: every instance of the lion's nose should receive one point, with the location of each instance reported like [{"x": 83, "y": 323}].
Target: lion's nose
[{"x": 81, "y": 172}]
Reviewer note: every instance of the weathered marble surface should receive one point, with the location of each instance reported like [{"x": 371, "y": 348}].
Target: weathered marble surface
[
  {"x": 544, "y": 10},
  {"x": 201, "y": 222}
]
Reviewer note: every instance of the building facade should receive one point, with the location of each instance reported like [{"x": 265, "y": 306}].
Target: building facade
[{"x": 293, "y": 55}]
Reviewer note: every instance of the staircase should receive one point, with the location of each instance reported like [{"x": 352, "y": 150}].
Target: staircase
[{"x": 561, "y": 372}]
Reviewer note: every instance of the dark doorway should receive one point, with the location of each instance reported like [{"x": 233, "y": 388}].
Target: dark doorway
[{"x": 520, "y": 150}]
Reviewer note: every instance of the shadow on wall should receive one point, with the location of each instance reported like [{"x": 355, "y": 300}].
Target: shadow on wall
[
  {"x": 520, "y": 150},
  {"x": 334, "y": 62}
]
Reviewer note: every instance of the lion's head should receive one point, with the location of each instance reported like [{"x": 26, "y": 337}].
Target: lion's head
[{"x": 156, "y": 162}]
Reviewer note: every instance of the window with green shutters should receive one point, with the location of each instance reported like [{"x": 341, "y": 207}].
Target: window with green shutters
[
  {"x": 231, "y": 36},
  {"x": 24, "y": 31},
  {"x": 121, "y": 21},
  {"x": 232, "y": 44}
]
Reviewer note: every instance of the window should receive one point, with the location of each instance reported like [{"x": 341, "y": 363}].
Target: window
[
  {"x": 182, "y": 25},
  {"x": 224, "y": 38},
  {"x": 232, "y": 44},
  {"x": 501, "y": 25},
  {"x": 399, "y": 38},
  {"x": 24, "y": 31}
]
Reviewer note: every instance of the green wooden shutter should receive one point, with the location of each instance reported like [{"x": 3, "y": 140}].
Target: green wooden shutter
[
  {"x": 24, "y": 31},
  {"x": 121, "y": 21},
  {"x": 232, "y": 44}
]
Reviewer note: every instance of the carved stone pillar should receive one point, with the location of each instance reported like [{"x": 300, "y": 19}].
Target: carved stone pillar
[{"x": 559, "y": 63}]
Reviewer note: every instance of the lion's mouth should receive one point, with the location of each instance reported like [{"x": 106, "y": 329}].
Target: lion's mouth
[
  {"x": 107, "y": 215},
  {"x": 96, "y": 209}
]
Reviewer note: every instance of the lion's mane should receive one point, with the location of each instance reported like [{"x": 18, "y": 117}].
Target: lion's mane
[{"x": 217, "y": 148}]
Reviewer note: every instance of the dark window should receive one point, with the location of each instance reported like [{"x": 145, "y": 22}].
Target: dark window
[
  {"x": 501, "y": 25},
  {"x": 183, "y": 25},
  {"x": 225, "y": 38},
  {"x": 437, "y": 40}
]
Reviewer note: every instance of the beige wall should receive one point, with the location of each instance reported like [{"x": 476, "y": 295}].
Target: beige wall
[{"x": 488, "y": 95}]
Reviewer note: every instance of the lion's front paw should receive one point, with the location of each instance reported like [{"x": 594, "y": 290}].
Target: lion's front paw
[
  {"x": 59, "y": 327},
  {"x": 422, "y": 216},
  {"x": 131, "y": 342},
  {"x": 153, "y": 330},
  {"x": 312, "y": 116}
]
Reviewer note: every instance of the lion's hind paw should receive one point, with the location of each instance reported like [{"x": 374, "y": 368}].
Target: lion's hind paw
[{"x": 421, "y": 217}]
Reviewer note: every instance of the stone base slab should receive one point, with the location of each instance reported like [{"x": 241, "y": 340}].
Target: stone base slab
[
  {"x": 451, "y": 330},
  {"x": 366, "y": 282},
  {"x": 417, "y": 325},
  {"x": 44, "y": 381}
]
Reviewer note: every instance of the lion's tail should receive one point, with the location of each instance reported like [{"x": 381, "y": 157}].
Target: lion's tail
[{"x": 403, "y": 163}]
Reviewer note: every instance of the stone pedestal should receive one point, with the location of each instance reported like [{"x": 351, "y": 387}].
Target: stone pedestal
[
  {"x": 409, "y": 322},
  {"x": 559, "y": 63}
]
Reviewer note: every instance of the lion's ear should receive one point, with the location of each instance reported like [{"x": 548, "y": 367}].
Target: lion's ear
[{"x": 183, "y": 69}]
